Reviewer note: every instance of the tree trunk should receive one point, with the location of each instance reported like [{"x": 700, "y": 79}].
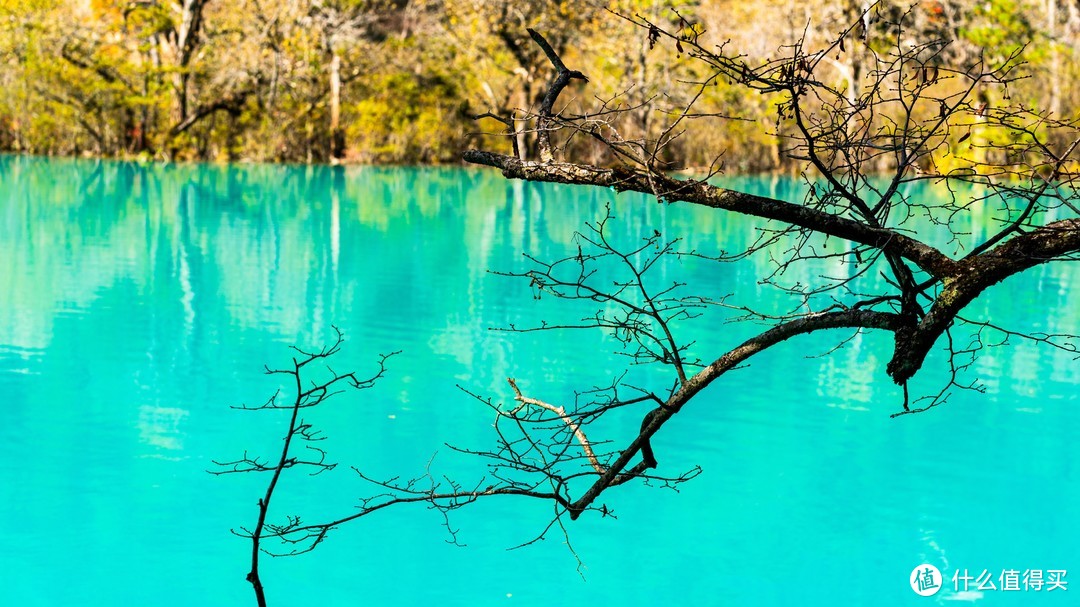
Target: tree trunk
[
  {"x": 1055, "y": 58},
  {"x": 180, "y": 110},
  {"x": 185, "y": 46},
  {"x": 337, "y": 135}
]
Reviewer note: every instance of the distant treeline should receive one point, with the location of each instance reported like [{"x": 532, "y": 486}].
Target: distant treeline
[{"x": 399, "y": 81}]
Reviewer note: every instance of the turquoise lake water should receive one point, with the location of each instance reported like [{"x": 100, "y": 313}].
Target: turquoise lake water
[{"x": 137, "y": 303}]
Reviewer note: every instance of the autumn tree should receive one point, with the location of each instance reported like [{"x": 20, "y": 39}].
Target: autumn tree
[
  {"x": 345, "y": 23},
  {"x": 911, "y": 268}
]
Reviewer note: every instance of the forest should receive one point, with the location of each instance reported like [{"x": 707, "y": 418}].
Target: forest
[{"x": 402, "y": 81}]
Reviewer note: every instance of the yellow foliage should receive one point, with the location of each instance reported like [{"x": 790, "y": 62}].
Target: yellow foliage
[{"x": 104, "y": 76}]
